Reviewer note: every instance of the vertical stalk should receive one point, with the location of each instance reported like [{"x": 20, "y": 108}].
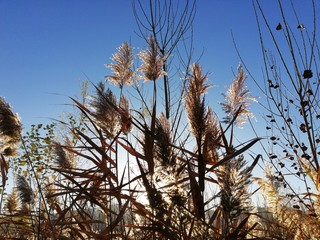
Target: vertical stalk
[
  {"x": 166, "y": 90},
  {"x": 37, "y": 182}
]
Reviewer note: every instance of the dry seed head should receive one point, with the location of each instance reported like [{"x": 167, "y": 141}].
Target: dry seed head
[
  {"x": 49, "y": 194},
  {"x": 64, "y": 158},
  {"x": 12, "y": 202},
  {"x": 234, "y": 180},
  {"x": 24, "y": 190},
  {"x": 212, "y": 139},
  {"x": 197, "y": 80},
  {"x": 122, "y": 66},
  {"x": 238, "y": 97},
  {"x": 10, "y": 129},
  {"x": 269, "y": 185},
  {"x": 152, "y": 63},
  {"x": 195, "y": 104},
  {"x": 163, "y": 138},
  {"x": 125, "y": 115},
  {"x": 104, "y": 104},
  {"x": 10, "y": 150}
]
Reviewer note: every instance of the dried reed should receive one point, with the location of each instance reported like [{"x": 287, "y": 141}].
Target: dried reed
[
  {"x": 10, "y": 129},
  {"x": 122, "y": 66}
]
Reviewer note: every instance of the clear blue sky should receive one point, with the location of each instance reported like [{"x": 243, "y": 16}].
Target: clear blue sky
[{"x": 47, "y": 47}]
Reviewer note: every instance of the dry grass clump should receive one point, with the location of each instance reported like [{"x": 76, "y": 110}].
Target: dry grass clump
[
  {"x": 97, "y": 199},
  {"x": 280, "y": 218}
]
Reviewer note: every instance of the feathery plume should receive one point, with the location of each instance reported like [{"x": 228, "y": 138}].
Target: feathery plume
[
  {"x": 237, "y": 100},
  {"x": 50, "y": 196},
  {"x": 195, "y": 104},
  {"x": 270, "y": 187},
  {"x": 282, "y": 220},
  {"x": 125, "y": 115},
  {"x": 212, "y": 139},
  {"x": 197, "y": 114},
  {"x": 163, "y": 139},
  {"x": 10, "y": 129},
  {"x": 234, "y": 179},
  {"x": 122, "y": 66},
  {"x": 152, "y": 63},
  {"x": 64, "y": 158},
  {"x": 12, "y": 201},
  {"x": 24, "y": 190},
  {"x": 105, "y": 114}
]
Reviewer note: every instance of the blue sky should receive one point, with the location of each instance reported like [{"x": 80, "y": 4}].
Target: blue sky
[{"x": 49, "y": 47}]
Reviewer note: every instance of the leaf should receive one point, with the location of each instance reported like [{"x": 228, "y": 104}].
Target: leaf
[
  {"x": 239, "y": 232},
  {"x": 81, "y": 105},
  {"x": 119, "y": 217},
  {"x": 249, "y": 169},
  {"x": 196, "y": 195},
  {"x": 236, "y": 153},
  {"x": 279, "y": 27},
  {"x": 131, "y": 150},
  {"x": 4, "y": 169},
  {"x": 307, "y": 170},
  {"x": 318, "y": 180},
  {"x": 201, "y": 171},
  {"x": 22, "y": 163},
  {"x": 191, "y": 228},
  {"x": 214, "y": 216}
]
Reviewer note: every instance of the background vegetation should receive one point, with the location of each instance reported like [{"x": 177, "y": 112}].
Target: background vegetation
[{"x": 156, "y": 161}]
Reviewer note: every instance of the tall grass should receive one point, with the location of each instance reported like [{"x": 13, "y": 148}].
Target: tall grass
[
  {"x": 143, "y": 166},
  {"x": 93, "y": 195}
]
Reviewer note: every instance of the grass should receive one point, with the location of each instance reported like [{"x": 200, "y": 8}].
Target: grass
[{"x": 161, "y": 169}]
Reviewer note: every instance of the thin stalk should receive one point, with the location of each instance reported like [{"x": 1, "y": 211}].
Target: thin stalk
[{"x": 37, "y": 182}]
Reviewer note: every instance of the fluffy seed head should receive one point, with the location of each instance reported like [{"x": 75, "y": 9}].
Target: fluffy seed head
[
  {"x": 122, "y": 66},
  {"x": 212, "y": 139},
  {"x": 24, "y": 190},
  {"x": 125, "y": 115},
  {"x": 195, "y": 104},
  {"x": 12, "y": 201},
  {"x": 237, "y": 100},
  {"x": 10, "y": 129},
  {"x": 234, "y": 180},
  {"x": 64, "y": 158},
  {"x": 163, "y": 141},
  {"x": 152, "y": 63},
  {"x": 104, "y": 105}
]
